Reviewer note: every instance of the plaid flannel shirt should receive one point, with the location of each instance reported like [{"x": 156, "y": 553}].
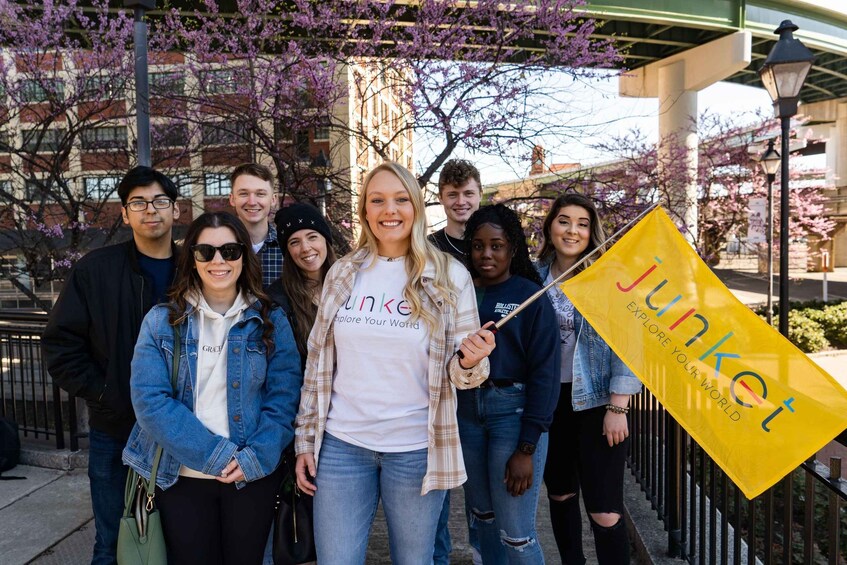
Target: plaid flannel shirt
[
  {"x": 445, "y": 465},
  {"x": 270, "y": 256}
]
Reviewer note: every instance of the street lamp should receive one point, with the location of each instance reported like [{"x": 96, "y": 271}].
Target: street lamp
[
  {"x": 321, "y": 167},
  {"x": 783, "y": 75},
  {"x": 770, "y": 164},
  {"x": 142, "y": 87}
]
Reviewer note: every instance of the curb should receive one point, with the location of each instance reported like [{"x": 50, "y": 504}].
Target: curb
[
  {"x": 646, "y": 532},
  {"x": 60, "y": 459}
]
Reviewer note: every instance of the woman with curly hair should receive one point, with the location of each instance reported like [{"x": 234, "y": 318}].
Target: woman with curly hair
[
  {"x": 377, "y": 417},
  {"x": 224, "y": 425},
  {"x": 503, "y": 422},
  {"x": 588, "y": 436}
]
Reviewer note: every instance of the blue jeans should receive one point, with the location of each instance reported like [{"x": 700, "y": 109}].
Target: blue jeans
[
  {"x": 107, "y": 477},
  {"x": 443, "y": 546},
  {"x": 489, "y": 428},
  {"x": 350, "y": 482}
]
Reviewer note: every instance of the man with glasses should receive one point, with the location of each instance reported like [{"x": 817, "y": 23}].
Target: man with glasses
[{"x": 91, "y": 334}]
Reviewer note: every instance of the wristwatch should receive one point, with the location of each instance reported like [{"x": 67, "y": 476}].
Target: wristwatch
[{"x": 526, "y": 448}]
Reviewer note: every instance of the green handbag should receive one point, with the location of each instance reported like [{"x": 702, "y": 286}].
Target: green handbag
[{"x": 141, "y": 540}]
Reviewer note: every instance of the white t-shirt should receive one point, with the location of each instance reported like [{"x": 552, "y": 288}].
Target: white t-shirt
[
  {"x": 380, "y": 393},
  {"x": 564, "y": 313}
]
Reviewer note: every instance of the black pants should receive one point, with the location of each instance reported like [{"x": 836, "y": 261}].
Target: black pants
[
  {"x": 579, "y": 459},
  {"x": 211, "y": 523}
]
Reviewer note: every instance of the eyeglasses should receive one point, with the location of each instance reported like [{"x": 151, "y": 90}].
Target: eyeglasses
[
  {"x": 203, "y": 252},
  {"x": 141, "y": 205}
]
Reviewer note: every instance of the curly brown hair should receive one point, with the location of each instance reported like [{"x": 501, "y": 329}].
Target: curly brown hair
[
  {"x": 187, "y": 279},
  {"x": 457, "y": 172}
]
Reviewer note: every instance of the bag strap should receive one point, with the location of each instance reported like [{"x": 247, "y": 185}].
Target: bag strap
[{"x": 151, "y": 484}]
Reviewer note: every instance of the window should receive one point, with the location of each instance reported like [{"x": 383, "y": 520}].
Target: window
[
  {"x": 224, "y": 133},
  {"x": 301, "y": 144},
  {"x": 101, "y": 88},
  {"x": 101, "y": 188},
  {"x": 104, "y": 138},
  {"x": 163, "y": 85},
  {"x": 36, "y": 190},
  {"x": 5, "y": 141},
  {"x": 220, "y": 81},
  {"x": 43, "y": 90},
  {"x": 282, "y": 132},
  {"x": 322, "y": 133},
  {"x": 184, "y": 184},
  {"x": 38, "y": 140},
  {"x": 217, "y": 184},
  {"x": 169, "y": 135}
]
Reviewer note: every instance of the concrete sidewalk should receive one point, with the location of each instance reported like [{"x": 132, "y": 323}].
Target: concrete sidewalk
[
  {"x": 37, "y": 513},
  {"x": 46, "y": 519}
]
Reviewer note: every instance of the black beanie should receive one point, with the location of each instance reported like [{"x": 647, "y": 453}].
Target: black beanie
[{"x": 299, "y": 217}]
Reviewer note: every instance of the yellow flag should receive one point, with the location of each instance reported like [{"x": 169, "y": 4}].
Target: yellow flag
[{"x": 747, "y": 395}]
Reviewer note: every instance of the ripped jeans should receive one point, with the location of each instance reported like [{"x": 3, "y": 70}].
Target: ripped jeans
[{"x": 489, "y": 427}]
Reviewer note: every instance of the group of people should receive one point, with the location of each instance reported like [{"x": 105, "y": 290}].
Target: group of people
[{"x": 383, "y": 367}]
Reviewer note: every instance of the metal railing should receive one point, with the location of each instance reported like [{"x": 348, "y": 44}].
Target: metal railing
[
  {"x": 27, "y": 393},
  {"x": 802, "y": 519}
]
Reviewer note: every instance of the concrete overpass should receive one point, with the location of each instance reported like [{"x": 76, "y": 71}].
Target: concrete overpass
[{"x": 675, "y": 48}]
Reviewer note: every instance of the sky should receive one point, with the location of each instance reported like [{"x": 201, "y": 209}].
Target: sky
[{"x": 618, "y": 114}]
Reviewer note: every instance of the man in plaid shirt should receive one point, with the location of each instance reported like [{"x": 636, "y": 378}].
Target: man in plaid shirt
[{"x": 255, "y": 200}]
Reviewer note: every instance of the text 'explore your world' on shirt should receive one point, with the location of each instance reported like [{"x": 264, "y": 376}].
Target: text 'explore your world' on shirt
[{"x": 380, "y": 393}]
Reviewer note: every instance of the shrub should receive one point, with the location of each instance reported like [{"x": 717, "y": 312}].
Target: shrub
[
  {"x": 814, "y": 325},
  {"x": 806, "y": 333}
]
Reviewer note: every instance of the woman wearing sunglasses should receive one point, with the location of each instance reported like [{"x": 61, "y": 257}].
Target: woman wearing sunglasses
[
  {"x": 224, "y": 425},
  {"x": 377, "y": 420}
]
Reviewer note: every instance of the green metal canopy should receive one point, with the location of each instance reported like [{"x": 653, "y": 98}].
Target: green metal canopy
[{"x": 651, "y": 30}]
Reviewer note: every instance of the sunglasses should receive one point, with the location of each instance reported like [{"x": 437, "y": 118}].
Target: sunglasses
[{"x": 203, "y": 252}]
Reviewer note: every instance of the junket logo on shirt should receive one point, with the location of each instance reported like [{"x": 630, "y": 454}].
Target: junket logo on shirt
[
  {"x": 382, "y": 305},
  {"x": 504, "y": 308}
]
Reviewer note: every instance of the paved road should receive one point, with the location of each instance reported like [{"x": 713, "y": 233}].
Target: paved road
[{"x": 752, "y": 288}]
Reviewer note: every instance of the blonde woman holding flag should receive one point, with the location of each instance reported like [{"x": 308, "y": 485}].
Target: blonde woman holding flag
[{"x": 377, "y": 417}]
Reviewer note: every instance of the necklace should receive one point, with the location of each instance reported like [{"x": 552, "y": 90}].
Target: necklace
[{"x": 447, "y": 237}]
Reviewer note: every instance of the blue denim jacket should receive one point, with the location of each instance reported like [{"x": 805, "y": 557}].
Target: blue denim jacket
[
  {"x": 597, "y": 371},
  {"x": 262, "y": 398}
]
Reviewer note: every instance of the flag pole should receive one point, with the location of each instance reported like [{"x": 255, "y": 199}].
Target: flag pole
[{"x": 502, "y": 321}]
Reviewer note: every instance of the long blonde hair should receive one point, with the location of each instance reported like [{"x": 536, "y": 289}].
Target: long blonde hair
[{"x": 421, "y": 251}]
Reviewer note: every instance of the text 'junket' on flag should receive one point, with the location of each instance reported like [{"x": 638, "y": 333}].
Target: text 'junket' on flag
[{"x": 748, "y": 396}]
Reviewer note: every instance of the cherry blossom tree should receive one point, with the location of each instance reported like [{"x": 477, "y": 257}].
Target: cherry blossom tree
[
  {"x": 62, "y": 102},
  {"x": 728, "y": 177},
  {"x": 481, "y": 76}
]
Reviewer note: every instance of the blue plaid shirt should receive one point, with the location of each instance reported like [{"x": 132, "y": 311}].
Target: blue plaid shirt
[{"x": 271, "y": 257}]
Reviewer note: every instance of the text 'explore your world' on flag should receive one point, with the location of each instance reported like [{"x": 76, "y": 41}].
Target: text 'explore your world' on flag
[{"x": 748, "y": 396}]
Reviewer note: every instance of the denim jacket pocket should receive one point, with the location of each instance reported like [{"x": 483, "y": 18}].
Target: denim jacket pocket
[{"x": 257, "y": 358}]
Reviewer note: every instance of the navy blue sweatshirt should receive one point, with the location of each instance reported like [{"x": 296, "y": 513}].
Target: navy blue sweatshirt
[{"x": 527, "y": 351}]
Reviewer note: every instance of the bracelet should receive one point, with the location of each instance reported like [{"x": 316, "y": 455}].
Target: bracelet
[{"x": 617, "y": 409}]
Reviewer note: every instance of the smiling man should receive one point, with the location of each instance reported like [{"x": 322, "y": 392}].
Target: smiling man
[
  {"x": 89, "y": 340},
  {"x": 255, "y": 200},
  {"x": 459, "y": 191}
]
